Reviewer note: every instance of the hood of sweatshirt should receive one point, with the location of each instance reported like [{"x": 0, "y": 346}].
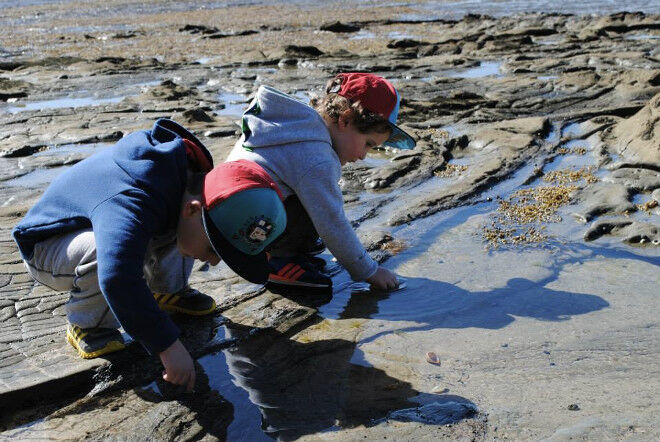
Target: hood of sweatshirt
[{"x": 275, "y": 118}]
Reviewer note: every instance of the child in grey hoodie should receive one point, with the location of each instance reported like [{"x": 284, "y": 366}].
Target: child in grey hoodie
[{"x": 303, "y": 148}]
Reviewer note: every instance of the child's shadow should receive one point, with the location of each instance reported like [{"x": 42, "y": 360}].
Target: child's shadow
[{"x": 442, "y": 305}]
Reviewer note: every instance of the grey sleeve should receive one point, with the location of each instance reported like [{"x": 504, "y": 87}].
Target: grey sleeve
[{"x": 321, "y": 196}]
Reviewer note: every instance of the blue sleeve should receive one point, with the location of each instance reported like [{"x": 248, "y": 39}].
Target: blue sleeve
[{"x": 122, "y": 228}]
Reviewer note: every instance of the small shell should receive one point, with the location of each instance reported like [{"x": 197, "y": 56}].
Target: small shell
[{"x": 432, "y": 358}]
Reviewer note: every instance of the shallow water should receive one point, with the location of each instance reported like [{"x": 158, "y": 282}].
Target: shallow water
[
  {"x": 37, "y": 178},
  {"x": 431, "y": 10},
  {"x": 485, "y": 69},
  {"x": 642, "y": 37},
  {"x": 80, "y": 99},
  {"x": 234, "y": 104},
  {"x": 280, "y": 388},
  {"x": 434, "y": 10},
  {"x": 63, "y": 103},
  {"x": 41, "y": 177}
]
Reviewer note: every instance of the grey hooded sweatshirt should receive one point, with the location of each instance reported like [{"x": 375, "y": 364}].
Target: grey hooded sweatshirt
[{"x": 291, "y": 141}]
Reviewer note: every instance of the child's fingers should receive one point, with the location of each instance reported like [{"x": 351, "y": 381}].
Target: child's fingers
[{"x": 185, "y": 379}]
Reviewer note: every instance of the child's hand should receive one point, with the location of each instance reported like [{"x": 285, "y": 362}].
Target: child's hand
[
  {"x": 179, "y": 368},
  {"x": 383, "y": 279}
]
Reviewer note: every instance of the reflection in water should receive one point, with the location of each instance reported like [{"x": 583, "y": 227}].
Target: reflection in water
[
  {"x": 304, "y": 388},
  {"x": 63, "y": 103},
  {"x": 307, "y": 387}
]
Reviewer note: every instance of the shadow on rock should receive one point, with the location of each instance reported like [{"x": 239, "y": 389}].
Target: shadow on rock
[{"x": 443, "y": 305}]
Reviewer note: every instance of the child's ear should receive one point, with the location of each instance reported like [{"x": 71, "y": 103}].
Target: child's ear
[{"x": 192, "y": 207}]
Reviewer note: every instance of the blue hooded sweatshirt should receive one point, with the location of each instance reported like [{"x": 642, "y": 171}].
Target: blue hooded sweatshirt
[{"x": 127, "y": 194}]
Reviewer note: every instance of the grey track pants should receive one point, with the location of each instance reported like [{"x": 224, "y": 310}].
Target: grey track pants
[{"x": 68, "y": 262}]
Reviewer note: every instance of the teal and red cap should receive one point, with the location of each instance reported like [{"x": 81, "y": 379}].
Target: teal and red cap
[
  {"x": 379, "y": 96},
  {"x": 242, "y": 215}
]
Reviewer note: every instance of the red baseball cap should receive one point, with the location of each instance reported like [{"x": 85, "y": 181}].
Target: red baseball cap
[
  {"x": 380, "y": 97},
  {"x": 243, "y": 213}
]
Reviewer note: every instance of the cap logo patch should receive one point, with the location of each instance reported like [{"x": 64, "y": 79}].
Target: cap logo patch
[{"x": 258, "y": 230}]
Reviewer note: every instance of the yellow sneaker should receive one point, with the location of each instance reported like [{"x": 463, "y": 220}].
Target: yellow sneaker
[
  {"x": 187, "y": 301},
  {"x": 94, "y": 342}
]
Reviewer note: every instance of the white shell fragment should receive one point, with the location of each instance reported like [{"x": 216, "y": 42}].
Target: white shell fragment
[{"x": 432, "y": 358}]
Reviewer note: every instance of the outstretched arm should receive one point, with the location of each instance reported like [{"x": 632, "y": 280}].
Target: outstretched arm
[
  {"x": 121, "y": 232},
  {"x": 321, "y": 196}
]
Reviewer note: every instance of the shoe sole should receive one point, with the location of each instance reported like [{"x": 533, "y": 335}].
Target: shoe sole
[
  {"x": 275, "y": 279},
  {"x": 110, "y": 347}
]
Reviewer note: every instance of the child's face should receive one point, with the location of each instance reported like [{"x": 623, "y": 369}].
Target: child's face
[
  {"x": 191, "y": 238},
  {"x": 352, "y": 145}
]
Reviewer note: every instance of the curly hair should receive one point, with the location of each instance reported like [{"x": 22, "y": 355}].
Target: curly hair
[{"x": 332, "y": 105}]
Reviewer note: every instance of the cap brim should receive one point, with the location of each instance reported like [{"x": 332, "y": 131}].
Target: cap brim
[
  {"x": 254, "y": 268},
  {"x": 400, "y": 139}
]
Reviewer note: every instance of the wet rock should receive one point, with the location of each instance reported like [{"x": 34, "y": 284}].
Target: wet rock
[
  {"x": 20, "y": 151},
  {"x": 226, "y": 131},
  {"x": 10, "y": 65},
  {"x": 168, "y": 96},
  {"x": 169, "y": 91},
  {"x": 635, "y": 85},
  {"x": 144, "y": 414},
  {"x": 436, "y": 413},
  {"x": 639, "y": 177},
  {"x": 111, "y": 60},
  {"x": 125, "y": 35},
  {"x": 405, "y": 43},
  {"x": 218, "y": 35},
  {"x": 196, "y": 115},
  {"x": 339, "y": 27},
  {"x": 199, "y": 29},
  {"x": 622, "y": 22},
  {"x": 269, "y": 311},
  {"x": 534, "y": 31},
  {"x": 288, "y": 62},
  {"x": 632, "y": 232},
  {"x": 638, "y": 137},
  {"x": 407, "y": 169},
  {"x": 461, "y": 99},
  {"x": 56, "y": 61},
  {"x": 13, "y": 89},
  {"x": 380, "y": 244},
  {"x": 302, "y": 51},
  {"x": 656, "y": 195},
  {"x": 603, "y": 198},
  {"x": 504, "y": 42},
  {"x": 102, "y": 138},
  {"x": 513, "y": 134},
  {"x": 504, "y": 146}
]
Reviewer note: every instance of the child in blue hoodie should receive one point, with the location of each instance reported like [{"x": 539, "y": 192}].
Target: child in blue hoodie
[
  {"x": 303, "y": 148},
  {"x": 120, "y": 230}
]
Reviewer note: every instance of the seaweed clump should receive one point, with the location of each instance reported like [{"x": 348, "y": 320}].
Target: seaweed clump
[{"x": 520, "y": 218}]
